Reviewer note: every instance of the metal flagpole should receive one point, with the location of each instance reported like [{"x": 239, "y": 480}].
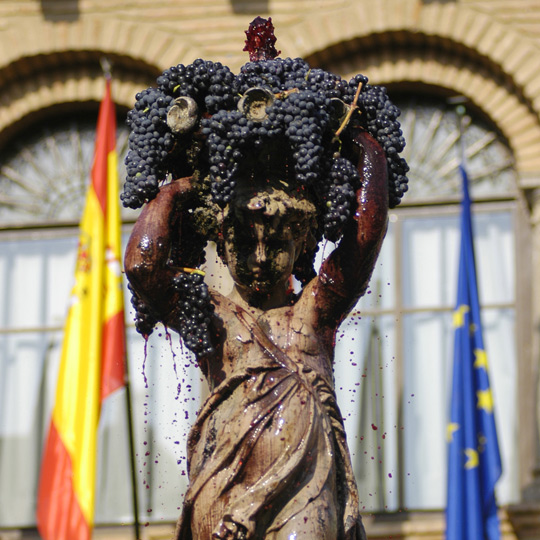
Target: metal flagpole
[
  {"x": 459, "y": 103},
  {"x": 134, "y": 490},
  {"x": 106, "y": 67}
]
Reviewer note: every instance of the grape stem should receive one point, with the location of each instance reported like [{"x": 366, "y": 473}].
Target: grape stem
[
  {"x": 286, "y": 93},
  {"x": 352, "y": 107}
]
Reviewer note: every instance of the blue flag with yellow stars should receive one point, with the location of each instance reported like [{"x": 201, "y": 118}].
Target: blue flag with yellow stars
[{"x": 474, "y": 462}]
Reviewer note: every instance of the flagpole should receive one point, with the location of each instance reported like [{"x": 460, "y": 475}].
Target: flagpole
[
  {"x": 460, "y": 111},
  {"x": 131, "y": 438},
  {"x": 474, "y": 463},
  {"x": 106, "y": 67}
]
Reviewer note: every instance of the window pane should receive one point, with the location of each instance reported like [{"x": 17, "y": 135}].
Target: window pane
[
  {"x": 427, "y": 347},
  {"x": 499, "y": 336},
  {"x": 366, "y": 387},
  {"x": 429, "y": 252},
  {"x": 430, "y": 258},
  {"x": 35, "y": 279},
  {"x": 28, "y": 364},
  {"x": 495, "y": 259},
  {"x": 381, "y": 293}
]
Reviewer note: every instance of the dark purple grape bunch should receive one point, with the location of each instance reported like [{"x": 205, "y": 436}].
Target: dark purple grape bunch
[
  {"x": 195, "y": 312},
  {"x": 145, "y": 321},
  {"x": 163, "y": 121},
  {"x": 150, "y": 142},
  {"x": 225, "y": 132},
  {"x": 202, "y": 118},
  {"x": 208, "y": 83},
  {"x": 235, "y": 117},
  {"x": 344, "y": 181}
]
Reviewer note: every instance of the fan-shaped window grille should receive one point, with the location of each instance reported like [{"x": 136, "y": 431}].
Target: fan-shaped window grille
[
  {"x": 434, "y": 148},
  {"x": 44, "y": 173}
]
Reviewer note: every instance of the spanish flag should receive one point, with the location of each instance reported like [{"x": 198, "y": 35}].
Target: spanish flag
[{"x": 93, "y": 352}]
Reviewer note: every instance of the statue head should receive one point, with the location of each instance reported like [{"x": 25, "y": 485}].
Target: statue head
[{"x": 265, "y": 233}]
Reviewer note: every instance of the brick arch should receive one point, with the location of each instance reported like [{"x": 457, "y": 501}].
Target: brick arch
[
  {"x": 61, "y": 83},
  {"x": 55, "y": 65},
  {"x": 453, "y": 74},
  {"x": 455, "y": 22},
  {"x": 140, "y": 41}
]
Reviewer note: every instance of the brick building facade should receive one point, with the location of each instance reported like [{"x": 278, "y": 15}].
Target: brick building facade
[{"x": 487, "y": 51}]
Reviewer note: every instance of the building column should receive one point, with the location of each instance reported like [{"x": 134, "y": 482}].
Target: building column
[{"x": 525, "y": 516}]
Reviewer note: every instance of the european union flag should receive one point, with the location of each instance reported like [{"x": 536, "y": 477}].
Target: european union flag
[{"x": 474, "y": 463}]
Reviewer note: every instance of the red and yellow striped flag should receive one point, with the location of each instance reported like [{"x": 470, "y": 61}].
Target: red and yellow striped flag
[{"x": 92, "y": 362}]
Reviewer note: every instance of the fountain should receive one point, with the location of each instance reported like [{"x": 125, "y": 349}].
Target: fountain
[{"x": 267, "y": 164}]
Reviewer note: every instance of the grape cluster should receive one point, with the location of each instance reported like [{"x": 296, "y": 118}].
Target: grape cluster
[
  {"x": 344, "y": 181},
  {"x": 225, "y": 131},
  {"x": 286, "y": 74},
  {"x": 302, "y": 112},
  {"x": 208, "y": 83},
  {"x": 150, "y": 141},
  {"x": 279, "y": 75},
  {"x": 306, "y": 121},
  {"x": 145, "y": 321},
  {"x": 195, "y": 312},
  {"x": 154, "y": 150}
]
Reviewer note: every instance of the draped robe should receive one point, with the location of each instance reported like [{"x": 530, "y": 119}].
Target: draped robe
[{"x": 268, "y": 446}]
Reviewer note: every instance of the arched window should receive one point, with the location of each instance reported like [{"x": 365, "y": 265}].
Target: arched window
[
  {"x": 45, "y": 171},
  {"x": 395, "y": 352},
  {"x": 44, "y": 175}
]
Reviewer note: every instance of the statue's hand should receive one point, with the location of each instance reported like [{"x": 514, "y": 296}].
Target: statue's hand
[{"x": 229, "y": 530}]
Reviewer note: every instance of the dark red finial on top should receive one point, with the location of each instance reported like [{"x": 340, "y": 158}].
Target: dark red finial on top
[{"x": 260, "y": 40}]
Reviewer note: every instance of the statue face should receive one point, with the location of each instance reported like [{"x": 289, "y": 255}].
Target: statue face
[
  {"x": 260, "y": 255},
  {"x": 264, "y": 232}
]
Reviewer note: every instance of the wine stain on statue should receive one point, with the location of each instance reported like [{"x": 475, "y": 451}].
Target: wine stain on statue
[
  {"x": 267, "y": 454},
  {"x": 268, "y": 449}
]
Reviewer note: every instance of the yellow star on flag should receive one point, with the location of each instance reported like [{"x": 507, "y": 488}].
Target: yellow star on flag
[
  {"x": 485, "y": 400},
  {"x": 450, "y": 429},
  {"x": 472, "y": 458},
  {"x": 480, "y": 359},
  {"x": 458, "y": 318}
]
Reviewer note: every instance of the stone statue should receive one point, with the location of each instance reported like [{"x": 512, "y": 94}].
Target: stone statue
[{"x": 267, "y": 454}]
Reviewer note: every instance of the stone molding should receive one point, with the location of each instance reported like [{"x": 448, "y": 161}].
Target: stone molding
[{"x": 146, "y": 48}]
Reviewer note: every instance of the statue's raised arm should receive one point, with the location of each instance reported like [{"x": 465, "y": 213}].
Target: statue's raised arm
[
  {"x": 344, "y": 275},
  {"x": 152, "y": 260}
]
